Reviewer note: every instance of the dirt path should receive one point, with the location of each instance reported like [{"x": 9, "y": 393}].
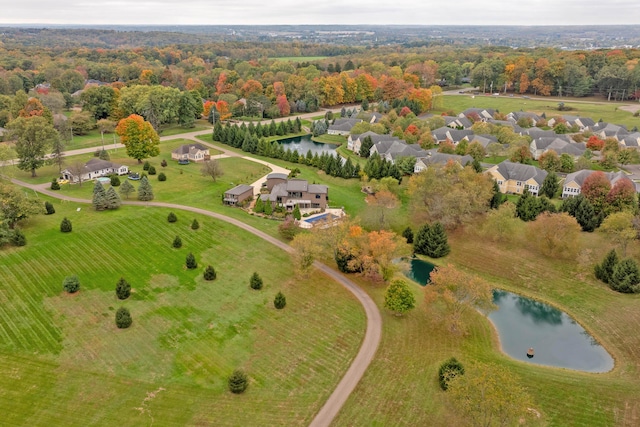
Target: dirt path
[{"x": 373, "y": 332}]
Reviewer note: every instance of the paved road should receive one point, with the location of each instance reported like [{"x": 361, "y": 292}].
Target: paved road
[{"x": 373, "y": 332}]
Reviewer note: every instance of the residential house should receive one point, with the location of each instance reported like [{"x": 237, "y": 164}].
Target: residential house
[
  {"x": 573, "y": 182},
  {"x": 630, "y": 141},
  {"x": 299, "y": 192},
  {"x": 435, "y": 158},
  {"x": 391, "y": 150},
  {"x": 354, "y": 142},
  {"x": 192, "y": 152},
  {"x": 445, "y": 133},
  {"x": 538, "y": 133},
  {"x": 370, "y": 117},
  {"x": 237, "y": 194},
  {"x": 582, "y": 123},
  {"x": 561, "y": 144},
  {"x": 95, "y": 168},
  {"x": 458, "y": 122},
  {"x": 483, "y": 140},
  {"x": 515, "y": 177},
  {"x": 342, "y": 126},
  {"x": 274, "y": 179},
  {"x": 515, "y": 116},
  {"x": 483, "y": 114},
  {"x": 608, "y": 130}
]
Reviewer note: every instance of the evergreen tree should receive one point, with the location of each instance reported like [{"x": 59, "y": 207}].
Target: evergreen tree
[
  {"x": 550, "y": 185},
  {"x": 123, "y": 318},
  {"x": 65, "y": 225},
  {"x": 177, "y": 242},
  {"x": 50, "y": 210},
  {"x": 279, "y": 301},
  {"x": 145, "y": 191},
  {"x": 191, "y": 262},
  {"x": 113, "y": 200},
  {"x": 152, "y": 170},
  {"x": 268, "y": 209},
  {"x": 529, "y": 207},
  {"x": 408, "y": 235},
  {"x": 55, "y": 185},
  {"x": 123, "y": 289},
  {"x": 146, "y": 166},
  {"x": 432, "y": 241},
  {"x": 498, "y": 198},
  {"x": 99, "y": 197},
  {"x": 255, "y": 282},
  {"x": 162, "y": 176},
  {"x": 273, "y": 129},
  {"x": 126, "y": 189},
  {"x": 172, "y": 217},
  {"x": 604, "y": 271},
  {"x": 365, "y": 147},
  {"x": 71, "y": 284},
  {"x": 296, "y": 213},
  {"x": 195, "y": 224},
  {"x": 238, "y": 382},
  {"x": 586, "y": 216},
  {"x": 625, "y": 276},
  {"x": 259, "y": 206},
  {"x": 448, "y": 371},
  {"x": 209, "y": 273},
  {"x": 115, "y": 180},
  {"x": 365, "y": 104}
]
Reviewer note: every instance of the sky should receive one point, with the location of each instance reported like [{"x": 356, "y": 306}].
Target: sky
[{"x": 274, "y": 12}]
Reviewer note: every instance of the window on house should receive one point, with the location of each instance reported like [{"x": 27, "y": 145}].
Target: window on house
[
  {"x": 317, "y": 196},
  {"x": 519, "y": 184}
]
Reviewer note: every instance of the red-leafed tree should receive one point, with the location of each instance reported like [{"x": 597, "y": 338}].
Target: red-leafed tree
[
  {"x": 405, "y": 111},
  {"x": 622, "y": 196},
  {"x": 595, "y": 143},
  {"x": 283, "y": 105},
  {"x": 252, "y": 88},
  {"x": 207, "y": 108},
  {"x": 595, "y": 188},
  {"x": 278, "y": 89},
  {"x": 222, "y": 86}
]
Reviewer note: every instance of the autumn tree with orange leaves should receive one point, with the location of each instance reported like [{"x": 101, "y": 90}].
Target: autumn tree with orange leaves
[{"x": 139, "y": 137}]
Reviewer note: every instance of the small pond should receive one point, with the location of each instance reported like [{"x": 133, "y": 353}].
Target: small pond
[
  {"x": 302, "y": 144},
  {"x": 419, "y": 271},
  {"x": 556, "y": 338}
]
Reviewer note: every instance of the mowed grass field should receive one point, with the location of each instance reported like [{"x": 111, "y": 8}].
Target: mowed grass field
[
  {"x": 401, "y": 388},
  {"x": 64, "y": 362}
]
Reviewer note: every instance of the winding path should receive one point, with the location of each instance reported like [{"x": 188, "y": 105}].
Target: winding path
[{"x": 373, "y": 332}]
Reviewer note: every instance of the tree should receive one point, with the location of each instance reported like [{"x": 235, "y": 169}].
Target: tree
[
  {"x": 431, "y": 240},
  {"x": 498, "y": 198},
  {"x": 490, "y": 395},
  {"x": 177, "y": 242},
  {"x": 33, "y": 136},
  {"x": 288, "y": 229},
  {"x": 604, "y": 271},
  {"x": 17, "y": 238},
  {"x": 152, "y": 170},
  {"x": 619, "y": 227},
  {"x": 71, "y": 284},
  {"x": 622, "y": 196},
  {"x": 145, "y": 191},
  {"x": 460, "y": 292},
  {"x": 162, "y": 177},
  {"x": 625, "y": 276},
  {"x": 238, "y": 382},
  {"x": 279, "y": 301},
  {"x": 296, "y": 212},
  {"x": 399, "y": 298},
  {"x": 365, "y": 147},
  {"x": 123, "y": 289},
  {"x": 382, "y": 203},
  {"x": 15, "y": 206},
  {"x": 551, "y": 185},
  {"x": 57, "y": 153},
  {"x": 195, "y": 225},
  {"x": 99, "y": 197},
  {"x": 172, "y": 217},
  {"x": 126, "y": 189},
  {"x": 65, "y": 225},
  {"x": 105, "y": 126},
  {"x": 407, "y": 233},
  {"x": 306, "y": 248},
  {"x": 212, "y": 168},
  {"x": 115, "y": 180},
  {"x": 550, "y": 161},
  {"x": 48, "y": 206},
  {"x": 554, "y": 234},
  {"x": 191, "y": 262},
  {"x": 209, "y": 273},
  {"x": 139, "y": 137},
  {"x": 448, "y": 371},
  {"x": 123, "y": 318},
  {"x": 255, "y": 282},
  {"x": 595, "y": 189}
]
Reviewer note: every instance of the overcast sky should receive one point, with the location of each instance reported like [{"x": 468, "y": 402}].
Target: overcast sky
[{"x": 247, "y": 12}]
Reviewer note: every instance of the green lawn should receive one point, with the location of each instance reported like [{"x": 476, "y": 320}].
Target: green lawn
[
  {"x": 330, "y": 139},
  {"x": 608, "y": 112},
  {"x": 65, "y": 363}
]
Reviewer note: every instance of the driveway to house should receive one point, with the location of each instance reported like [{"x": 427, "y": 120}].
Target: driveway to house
[{"x": 372, "y": 334}]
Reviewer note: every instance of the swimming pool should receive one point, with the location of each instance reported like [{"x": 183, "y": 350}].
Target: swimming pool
[{"x": 323, "y": 217}]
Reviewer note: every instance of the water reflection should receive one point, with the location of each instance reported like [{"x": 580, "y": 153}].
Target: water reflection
[
  {"x": 418, "y": 270},
  {"x": 302, "y": 144}
]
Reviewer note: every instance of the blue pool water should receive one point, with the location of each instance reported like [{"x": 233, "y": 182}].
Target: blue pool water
[{"x": 322, "y": 217}]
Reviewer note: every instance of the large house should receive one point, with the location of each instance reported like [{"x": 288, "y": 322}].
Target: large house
[
  {"x": 435, "y": 158},
  {"x": 445, "y": 133},
  {"x": 342, "y": 126},
  {"x": 561, "y": 144},
  {"x": 515, "y": 177},
  {"x": 391, "y": 150},
  {"x": 291, "y": 192},
  {"x": 354, "y": 142},
  {"x": 574, "y": 181},
  {"x": 192, "y": 152},
  {"x": 237, "y": 194},
  {"x": 483, "y": 114},
  {"x": 95, "y": 168}
]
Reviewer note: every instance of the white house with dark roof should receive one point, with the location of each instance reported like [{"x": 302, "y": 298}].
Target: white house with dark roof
[
  {"x": 608, "y": 130},
  {"x": 95, "y": 168},
  {"x": 515, "y": 116},
  {"x": 515, "y": 177},
  {"x": 581, "y": 122},
  {"x": 573, "y": 182},
  {"x": 445, "y": 133},
  {"x": 435, "y": 158},
  {"x": 354, "y": 142},
  {"x": 391, "y": 150},
  {"x": 193, "y": 152},
  {"x": 342, "y": 126},
  {"x": 483, "y": 140}
]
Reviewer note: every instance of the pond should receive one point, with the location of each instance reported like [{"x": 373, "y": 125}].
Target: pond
[
  {"x": 302, "y": 144},
  {"x": 419, "y": 271},
  {"x": 556, "y": 338}
]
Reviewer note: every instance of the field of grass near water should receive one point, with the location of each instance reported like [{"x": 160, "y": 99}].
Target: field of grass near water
[{"x": 64, "y": 362}]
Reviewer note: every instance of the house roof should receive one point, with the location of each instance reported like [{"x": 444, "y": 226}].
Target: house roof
[
  {"x": 239, "y": 190},
  {"x": 187, "y": 148},
  {"x": 520, "y": 172},
  {"x": 96, "y": 164},
  {"x": 318, "y": 189},
  {"x": 443, "y": 159},
  {"x": 375, "y": 137},
  {"x": 297, "y": 185},
  {"x": 344, "y": 124},
  {"x": 580, "y": 176},
  {"x": 277, "y": 175},
  {"x": 539, "y": 133}
]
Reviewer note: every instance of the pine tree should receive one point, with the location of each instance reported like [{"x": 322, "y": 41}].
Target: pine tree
[
  {"x": 408, "y": 234},
  {"x": 432, "y": 241},
  {"x": 71, "y": 284},
  {"x": 586, "y": 216},
  {"x": 172, "y": 217},
  {"x": 238, "y": 382},
  {"x": 145, "y": 191},
  {"x": 123, "y": 289},
  {"x": 209, "y": 273},
  {"x": 126, "y": 189},
  {"x": 255, "y": 282},
  {"x": 65, "y": 225},
  {"x": 50, "y": 210},
  {"x": 191, "y": 262},
  {"x": 146, "y": 166},
  {"x": 625, "y": 276},
  {"x": 365, "y": 147},
  {"x": 99, "y": 197},
  {"x": 604, "y": 271},
  {"x": 259, "y": 206},
  {"x": 498, "y": 198},
  {"x": 177, "y": 242},
  {"x": 279, "y": 301},
  {"x": 195, "y": 224},
  {"x": 550, "y": 185},
  {"x": 268, "y": 209},
  {"x": 123, "y": 318},
  {"x": 296, "y": 212},
  {"x": 113, "y": 200},
  {"x": 55, "y": 185}
]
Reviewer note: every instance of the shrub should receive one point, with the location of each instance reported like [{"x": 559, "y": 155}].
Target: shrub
[
  {"x": 191, "y": 262},
  {"x": 288, "y": 229},
  {"x": 177, "y": 242},
  {"x": 55, "y": 185},
  {"x": 279, "y": 301},
  {"x": 71, "y": 284},
  {"x": 255, "y": 282},
  {"x": 195, "y": 225},
  {"x": 448, "y": 371},
  {"x": 123, "y": 289},
  {"x": 115, "y": 181},
  {"x": 238, "y": 382},
  {"x": 209, "y": 273},
  {"x": 123, "y": 318},
  {"x": 163, "y": 163},
  {"x": 162, "y": 176},
  {"x": 172, "y": 217},
  {"x": 18, "y": 238},
  {"x": 408, "y": 235},
  {"x": 152, "y": 170},
  {"x": 48, "y": 206},
  {"x": 146, "y": 166},
  {"x": 65, "y": 225}
]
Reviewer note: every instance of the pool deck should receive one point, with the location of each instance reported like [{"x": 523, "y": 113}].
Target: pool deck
[{"x": 335, "y": 212}]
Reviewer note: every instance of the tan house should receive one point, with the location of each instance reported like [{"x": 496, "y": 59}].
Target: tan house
[
  {"x": 191, "y": 152},
  {"x": 95, "y": 168},
  {"x": 237, "y": 194},
  {"x": 572, "y": 186},
  {"x": 513, "y": 178},
  {"x": 294, "y": 192}
]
